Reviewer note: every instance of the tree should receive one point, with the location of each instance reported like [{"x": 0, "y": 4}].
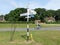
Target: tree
[
  {"x": 14, "y": 15},
  {"x": 50, "y": 13},
  {"x": 41, "y": 12},
  {"x": 57, "y": 16}
]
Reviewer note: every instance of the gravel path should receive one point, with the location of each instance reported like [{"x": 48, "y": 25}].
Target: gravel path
[{"x": 20, "y": 29}]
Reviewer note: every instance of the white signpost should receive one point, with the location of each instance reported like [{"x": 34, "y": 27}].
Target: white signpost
[{"x": 28, "y": 15}]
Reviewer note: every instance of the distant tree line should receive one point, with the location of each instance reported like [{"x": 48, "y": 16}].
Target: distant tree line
[{"x": 14, "y": 15}]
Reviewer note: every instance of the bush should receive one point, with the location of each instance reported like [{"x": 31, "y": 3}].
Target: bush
[
  {"x": 58, "y": 22},
  {"x": 18, "y": 22}
]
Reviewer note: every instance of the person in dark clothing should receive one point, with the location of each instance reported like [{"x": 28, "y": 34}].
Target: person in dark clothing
[{"x": 38, "y": 26}]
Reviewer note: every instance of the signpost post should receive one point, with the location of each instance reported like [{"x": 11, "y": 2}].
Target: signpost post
[{"x": 28, "y": 14}]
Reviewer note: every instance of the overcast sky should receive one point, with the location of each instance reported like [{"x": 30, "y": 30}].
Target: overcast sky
[{"x": 7, "y": 5}]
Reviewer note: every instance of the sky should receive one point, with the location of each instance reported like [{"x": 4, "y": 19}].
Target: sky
[{"x": 7, "y": 5}]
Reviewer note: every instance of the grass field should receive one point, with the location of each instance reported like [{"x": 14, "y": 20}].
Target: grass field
[
  {"x": 17, "y": 25},
  {"x": 31, "y": 25},
  {"x": 40, "y": 37}
]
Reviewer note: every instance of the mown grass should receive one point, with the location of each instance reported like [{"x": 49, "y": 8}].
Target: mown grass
[
  {"x": 50, "y": 25},
  {"x": 40, "y": 37},
  {"x": 17, "y": 25},
  {"x": 30, "y": 25}
]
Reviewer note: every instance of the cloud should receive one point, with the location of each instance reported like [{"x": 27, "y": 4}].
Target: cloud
[
  {"x": 33, "y": 4},
  {"x": 53, "y": 4},
  {"x": 7, "y": 5},
  {"x": 12, "y": 2}
]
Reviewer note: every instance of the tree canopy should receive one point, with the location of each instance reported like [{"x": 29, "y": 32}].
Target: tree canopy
[{"x": 14, "y": 15}]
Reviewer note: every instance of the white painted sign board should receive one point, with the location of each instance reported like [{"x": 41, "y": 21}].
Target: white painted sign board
[{"x": 29, "y": 13}]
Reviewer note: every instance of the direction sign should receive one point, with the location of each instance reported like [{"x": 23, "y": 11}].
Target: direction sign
[{"x": 29, "y": 13}]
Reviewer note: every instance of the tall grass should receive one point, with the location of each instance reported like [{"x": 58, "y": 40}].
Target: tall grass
[{"x": 39, "y": 38}]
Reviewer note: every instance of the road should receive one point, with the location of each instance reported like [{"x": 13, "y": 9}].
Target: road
[{"x": 20, "y": 29}]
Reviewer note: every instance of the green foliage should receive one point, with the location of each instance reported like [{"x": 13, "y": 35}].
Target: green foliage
[
  {"x": 40, "y": 13},
  {"x": 50, "y": 13},
  {"x": 57, "y": 16},
  {"x": 14, "y": 15}
]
